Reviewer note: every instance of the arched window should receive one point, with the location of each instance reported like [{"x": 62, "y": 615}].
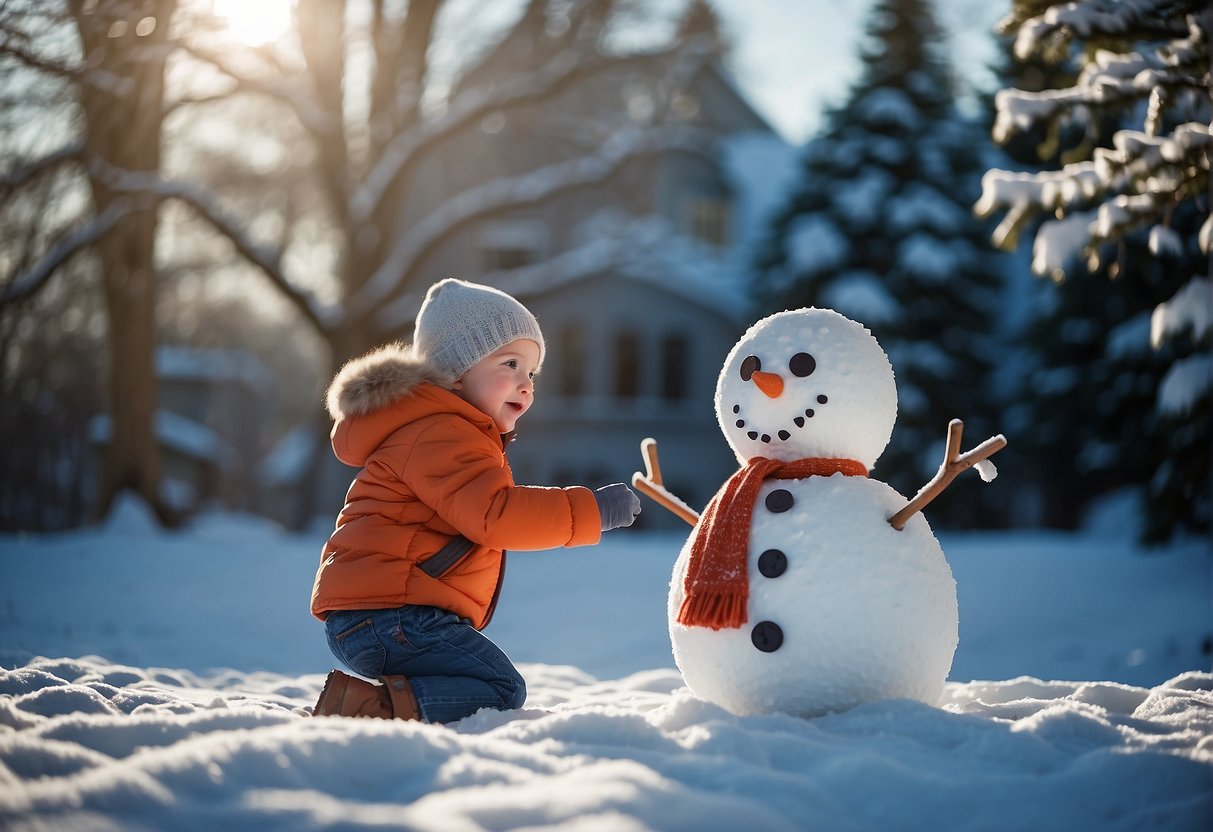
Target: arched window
[
  {"x": 675, "y": 357},
  {"x": 627, "y": 365}
]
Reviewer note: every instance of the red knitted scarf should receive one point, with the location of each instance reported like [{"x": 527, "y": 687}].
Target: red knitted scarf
[{"x": 717, "y": 582}]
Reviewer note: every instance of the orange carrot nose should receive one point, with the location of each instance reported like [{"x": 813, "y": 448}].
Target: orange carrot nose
[{"x": 769, "y": 383}]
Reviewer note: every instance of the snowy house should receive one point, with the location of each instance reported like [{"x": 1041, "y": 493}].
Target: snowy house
[
  {"x": 213, "y": 408},
  {"x": 639, "y": 280}
]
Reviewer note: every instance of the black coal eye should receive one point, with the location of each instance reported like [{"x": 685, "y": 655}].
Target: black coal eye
[
  {"x": 802, "y": 364},
  {"x": 750, "y": 366}
]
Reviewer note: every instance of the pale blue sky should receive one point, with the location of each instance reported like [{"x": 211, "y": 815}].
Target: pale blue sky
[{"x": 792, "y": 57}]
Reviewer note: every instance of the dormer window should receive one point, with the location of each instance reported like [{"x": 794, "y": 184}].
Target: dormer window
[{"x": 709, "y": 219}]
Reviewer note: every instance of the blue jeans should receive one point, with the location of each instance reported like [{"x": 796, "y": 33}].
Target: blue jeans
[{"x": 454, "y": 670}]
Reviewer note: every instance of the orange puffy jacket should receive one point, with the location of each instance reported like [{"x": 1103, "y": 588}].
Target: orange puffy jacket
[{"x": 433, "y": 467}]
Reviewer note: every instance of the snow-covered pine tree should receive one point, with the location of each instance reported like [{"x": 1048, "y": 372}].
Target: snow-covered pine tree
[
  {"x": 880, "y": 228},
  {"x": 1091, "y": 398},
  {"x": 1108, "y": 409}
]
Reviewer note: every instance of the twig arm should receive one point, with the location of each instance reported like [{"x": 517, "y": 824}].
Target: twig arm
[
  {"x": 650, "y": 484},
  {"x": 953, "y": 464}
]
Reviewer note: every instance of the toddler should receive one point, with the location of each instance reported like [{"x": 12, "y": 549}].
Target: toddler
[{"x": 412, "y": 572}]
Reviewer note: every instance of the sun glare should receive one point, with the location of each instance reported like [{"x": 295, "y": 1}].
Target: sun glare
[{"x": 255, "y": 21}]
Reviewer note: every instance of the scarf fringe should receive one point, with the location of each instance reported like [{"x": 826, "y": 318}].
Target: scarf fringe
[
  {"x": 717, "y": 583},
  {"x": 718, "y": 609}
]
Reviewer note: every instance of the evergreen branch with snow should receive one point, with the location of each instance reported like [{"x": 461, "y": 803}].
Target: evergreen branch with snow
[{"x": 1140, "y": 179}]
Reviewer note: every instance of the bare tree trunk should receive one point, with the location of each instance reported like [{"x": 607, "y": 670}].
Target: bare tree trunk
[{"x": 122, "y": 98}]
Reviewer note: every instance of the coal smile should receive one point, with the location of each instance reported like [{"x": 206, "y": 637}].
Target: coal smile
[{"x": 800, "y": 421}]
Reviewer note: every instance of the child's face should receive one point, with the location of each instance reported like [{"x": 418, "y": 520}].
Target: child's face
[{"x": 502, "y": 383}]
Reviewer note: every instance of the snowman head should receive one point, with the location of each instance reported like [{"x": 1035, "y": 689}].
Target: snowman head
[{"x": 807, "y": 383}]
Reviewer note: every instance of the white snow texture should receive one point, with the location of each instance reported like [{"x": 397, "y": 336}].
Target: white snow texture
[
  {"x": 846, "y": 404},
  {"x": 866, "y": 612},
  {"x": 609, "y": 739}
]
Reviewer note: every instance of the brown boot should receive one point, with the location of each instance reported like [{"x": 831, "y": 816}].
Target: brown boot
[{"x": 345, "y": 695}]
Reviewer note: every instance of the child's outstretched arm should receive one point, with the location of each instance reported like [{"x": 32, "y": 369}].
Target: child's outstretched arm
[{"x": 456, "y": 470}]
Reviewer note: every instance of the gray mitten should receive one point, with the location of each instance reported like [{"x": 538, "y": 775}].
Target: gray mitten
[{"x": 617, "y": 505}]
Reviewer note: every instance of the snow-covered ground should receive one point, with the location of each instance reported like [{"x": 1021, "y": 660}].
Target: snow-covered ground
[{"x": 194, "y": 718}]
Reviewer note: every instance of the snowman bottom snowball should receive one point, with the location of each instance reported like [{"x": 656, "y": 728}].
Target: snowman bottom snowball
[{"x": 843, "y": 608}]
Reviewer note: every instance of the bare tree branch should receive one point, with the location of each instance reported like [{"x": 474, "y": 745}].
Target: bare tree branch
[
  {"x": 207, "y": 205},
  {"x": 28, "y": 171},
  {"x": 314, "y": 118},
  {"x": 36, "y": 278},
  {"x": 401, "y": 64},
  {"x": 562, "y": 71},
  {"x": 527, "y": 189},
  {"x": 268, "y": 261},
  {"x": 193, "y": 100},
  {"x": 35, "y": 61}
]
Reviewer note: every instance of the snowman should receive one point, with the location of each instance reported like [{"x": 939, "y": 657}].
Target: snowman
[{"x": 806, "y": 586}]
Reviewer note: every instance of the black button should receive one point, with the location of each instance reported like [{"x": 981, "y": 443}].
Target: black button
[
  {"x": 767, "y": 636},
  {"x": 779, "y": 500},
  {"x": 772, "y": 563}
]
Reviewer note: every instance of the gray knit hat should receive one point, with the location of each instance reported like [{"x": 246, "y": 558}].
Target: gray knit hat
[{"x": 460, "y": 323}]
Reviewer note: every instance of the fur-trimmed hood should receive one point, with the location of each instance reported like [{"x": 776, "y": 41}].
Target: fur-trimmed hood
[
  {"x": 378, "y": 379},
  {"x": 374, "y": 396}
]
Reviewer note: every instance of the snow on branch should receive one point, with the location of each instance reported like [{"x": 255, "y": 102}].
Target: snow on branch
[
  {"x": 510, "y": 192},
  {"x": 647, "y": 248},
  {"x": 23, "y": 173},
  {"x": 566, "y": 67},
  {"x": 1139, "y": 180},
  {"x": 35, "y": 278},
  {"x": 1174, "y": 75},
  {"x": 311, "y": 115},
  {"x": 208, "y": 206},
  {"x": 1191, "y": 309},
  {"x": 9, "y": 48},
  {"x": 102, "y": 80},
  {"x": 1143, "y": 177},
  {"x": 1096, "y": 19},
  {"x": 1187, "y": 381}
]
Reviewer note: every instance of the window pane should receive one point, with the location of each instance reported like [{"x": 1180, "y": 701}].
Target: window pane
[
  {"x": 627, "y": 366},
  {"x": 504, "y": 259},
  {"x": 709, "y": 220},
  {"x": 572, "y": 361},
  {"x": 674, "y": 367}
]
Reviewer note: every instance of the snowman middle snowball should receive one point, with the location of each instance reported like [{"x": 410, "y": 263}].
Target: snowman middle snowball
[{"x": 842, "y": 608}]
